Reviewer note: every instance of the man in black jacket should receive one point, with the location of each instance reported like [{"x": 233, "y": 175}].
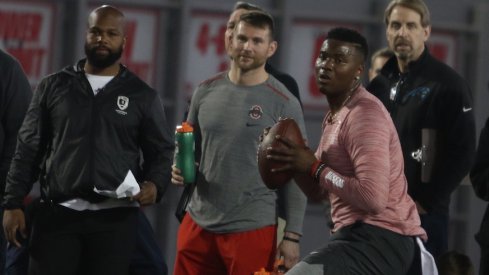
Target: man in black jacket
[
  {"x": 431, "y": 108},
  {"x": 82, "y": 139},
  {"x": 15, "y": 95},
  {"x": 479, "y": 175}
]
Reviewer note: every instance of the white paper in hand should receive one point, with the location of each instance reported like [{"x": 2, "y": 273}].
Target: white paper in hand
[{"x": 128, "y": 188}]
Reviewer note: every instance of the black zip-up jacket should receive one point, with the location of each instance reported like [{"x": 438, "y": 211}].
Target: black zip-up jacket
[
  {"x": 15, "y": 95},
  {"x": 433, "y": 97},
  {"x": 73, "y": 141},
  {"x": 479, "y": 176}
]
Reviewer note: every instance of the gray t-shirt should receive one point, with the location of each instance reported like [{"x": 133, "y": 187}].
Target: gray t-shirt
[{"x": 230, "y": 195}]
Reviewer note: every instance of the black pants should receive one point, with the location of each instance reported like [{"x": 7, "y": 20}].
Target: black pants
[
  {"x": 3, "y": 245},
  {"x": 360, "y": 249},
  {"x": 70, "y": 242},
  {"x": 482, "y": 237},
  {"x": 147, "y": 258},
  {"x": 436, "y": 226},
  {"x": 484, "y": 261}
]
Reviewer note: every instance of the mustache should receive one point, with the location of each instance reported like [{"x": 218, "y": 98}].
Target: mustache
[
  {"x": 401, "y": 40},
  {"x": 245, "y": 55},
  {"x": 100, "y": 47}
]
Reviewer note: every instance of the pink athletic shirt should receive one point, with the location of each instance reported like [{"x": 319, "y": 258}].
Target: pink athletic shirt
[{"x": 364, "y": 178}]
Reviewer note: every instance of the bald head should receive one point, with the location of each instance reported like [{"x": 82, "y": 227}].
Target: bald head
[{"x": 106, "y": 11}]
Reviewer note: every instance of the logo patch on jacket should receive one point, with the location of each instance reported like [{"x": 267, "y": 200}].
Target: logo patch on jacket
[
  {"x": 122, "y": 103},
  {"x": 255, "y": 112},
  {"x": 421, "y": 92}
]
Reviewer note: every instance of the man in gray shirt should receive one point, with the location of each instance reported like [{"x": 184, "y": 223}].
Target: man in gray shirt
[{"x": 231, "y": 223}]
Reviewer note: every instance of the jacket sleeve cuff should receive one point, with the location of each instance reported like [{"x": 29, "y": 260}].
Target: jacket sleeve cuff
[{"x": 8, "y": 205}]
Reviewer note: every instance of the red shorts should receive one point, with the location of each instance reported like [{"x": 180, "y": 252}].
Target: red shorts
[{"x": 200, "y": 252}]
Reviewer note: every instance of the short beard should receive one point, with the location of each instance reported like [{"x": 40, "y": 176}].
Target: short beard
[
  {"x": 254, "y": 65},
  {"x": 403, "y": 56},
  {"x": 102, "y": 62}
]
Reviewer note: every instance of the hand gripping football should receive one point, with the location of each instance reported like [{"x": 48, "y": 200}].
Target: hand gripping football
[{"x": 289, "y": 129}]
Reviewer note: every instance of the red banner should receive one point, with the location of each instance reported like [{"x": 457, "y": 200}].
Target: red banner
[
  {"x": 206, "y": 55},
  {"x": 141, "y": 42},
  {"x": 26, "y": 32},
  {"x": 443, "y": 46}
]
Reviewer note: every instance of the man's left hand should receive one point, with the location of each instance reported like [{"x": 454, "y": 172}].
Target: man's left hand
[
  {"x": 295, "y": 157},
  {"x": 289, "y": 250},
  {"x": 148, "y": 193}
]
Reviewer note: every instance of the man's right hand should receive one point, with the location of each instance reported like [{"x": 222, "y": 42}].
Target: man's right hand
[
  {"x": 176, "y": 176},
  {"x": 13, "y": 221}
]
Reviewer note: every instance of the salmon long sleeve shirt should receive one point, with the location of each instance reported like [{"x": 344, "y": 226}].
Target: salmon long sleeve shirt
[{"x": 364, "y": 177}]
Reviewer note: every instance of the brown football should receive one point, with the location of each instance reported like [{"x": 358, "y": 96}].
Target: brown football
[{"x": 286, "y": 128}]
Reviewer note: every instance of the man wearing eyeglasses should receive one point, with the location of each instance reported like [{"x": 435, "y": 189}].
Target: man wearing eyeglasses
[{"x": 431, "y": 108}]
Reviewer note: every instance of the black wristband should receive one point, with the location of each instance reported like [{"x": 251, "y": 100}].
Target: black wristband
[
  {"x": 319, "y": 170},
  {"x": 290, "y": 239}
]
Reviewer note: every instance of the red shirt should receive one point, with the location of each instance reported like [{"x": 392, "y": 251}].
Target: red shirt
[{"x": 364, "y": 178}]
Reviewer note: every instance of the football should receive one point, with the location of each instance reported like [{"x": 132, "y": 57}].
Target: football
[{"x": 287, "y": 128}]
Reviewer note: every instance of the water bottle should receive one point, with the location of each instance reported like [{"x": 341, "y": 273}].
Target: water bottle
[{"x": 185, "y": 152}]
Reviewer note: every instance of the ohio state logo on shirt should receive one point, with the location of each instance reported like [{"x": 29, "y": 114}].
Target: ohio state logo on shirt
[{"x": 255, "y": 112}]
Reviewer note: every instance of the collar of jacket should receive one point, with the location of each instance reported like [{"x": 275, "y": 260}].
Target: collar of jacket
[
  {"x": 391, "y": 68},
  {"x": 78, "y": 68}
]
